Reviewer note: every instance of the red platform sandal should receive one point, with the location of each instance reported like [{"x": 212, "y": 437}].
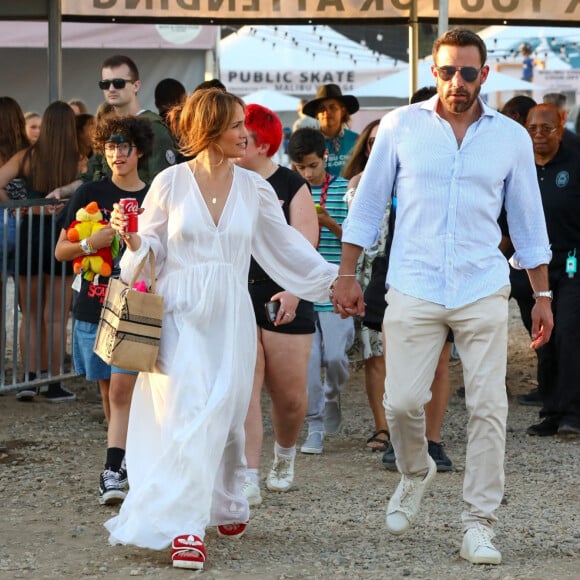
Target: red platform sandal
[
  {"x": 188, "y": 551},
  {"x": 232, "y": 530}
]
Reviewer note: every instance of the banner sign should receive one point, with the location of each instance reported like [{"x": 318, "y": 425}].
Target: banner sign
[
  {"x": 565, "y": 80},
  {"x": 216, "y": 10},
  {"x": 299, "y": 83}
]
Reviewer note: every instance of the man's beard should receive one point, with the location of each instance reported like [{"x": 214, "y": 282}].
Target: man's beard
[{"x": 454, "y": 106}]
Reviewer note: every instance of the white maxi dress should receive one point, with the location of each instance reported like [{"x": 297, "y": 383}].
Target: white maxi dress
[{"x": 185, "y": 445}]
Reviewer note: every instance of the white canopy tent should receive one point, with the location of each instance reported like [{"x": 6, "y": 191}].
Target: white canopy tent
[
  {"x": 297, "y": 60},
  {"x": 273, "y": 100}
]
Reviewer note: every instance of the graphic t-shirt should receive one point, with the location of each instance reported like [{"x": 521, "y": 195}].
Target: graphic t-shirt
[{"x": 89, "y": 301}]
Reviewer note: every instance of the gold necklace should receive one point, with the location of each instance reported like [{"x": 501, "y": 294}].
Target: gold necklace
[{"x": 212, "y": 198}]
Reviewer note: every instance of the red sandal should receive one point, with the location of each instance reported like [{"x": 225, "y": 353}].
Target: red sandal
[
  {"x": 188, "y": 551},
  {"x": 232, "y": 530}
]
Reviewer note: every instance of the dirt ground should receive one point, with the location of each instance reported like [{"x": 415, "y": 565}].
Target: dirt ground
[{"x": 330, "y": 526}]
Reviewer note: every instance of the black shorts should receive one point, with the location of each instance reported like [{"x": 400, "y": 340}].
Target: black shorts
[
  {"x": 30, "y": 237},
  {"x": 261, "y": 291}
]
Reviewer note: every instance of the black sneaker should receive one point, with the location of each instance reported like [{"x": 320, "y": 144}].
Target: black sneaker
[
  {"x": 389, "y": 460},
  {"x": 123, "y": 481},
  {"x": 111, "y": 490},
  {"x": 58, "y": 394},
  {"x": 531, "y": 399},
  {"x": 439, "y": 456},
  {"x": 547, "y": 428}
]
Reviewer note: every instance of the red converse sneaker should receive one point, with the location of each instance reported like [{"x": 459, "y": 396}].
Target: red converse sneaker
[
  {"x": 232, "y": 530},
  {"x": 188, "y": 551}
]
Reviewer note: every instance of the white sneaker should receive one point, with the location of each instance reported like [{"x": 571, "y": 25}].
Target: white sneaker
[
  {"x": 252, "y": 492},
  {"x": 281, "y": 475},
  {"x": 404, "y": 505},
  {"x": 314, "y": 443},
  {"x": 332, "y": 418},
  {"x": 477, "y": 547}
]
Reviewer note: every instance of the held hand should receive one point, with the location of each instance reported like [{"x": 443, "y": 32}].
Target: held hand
[
  {"x": 347, "y": 297},
  {"x": 103, "y": 238},
  {"x": 542, "y": 323},
  {"x": 288, "y": 305},
  {"x": 119, "y": 220},
  {"x": 324, "y": 219}
]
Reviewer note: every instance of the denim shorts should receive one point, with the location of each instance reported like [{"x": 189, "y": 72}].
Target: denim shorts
[{"x": 86, "y": 362}]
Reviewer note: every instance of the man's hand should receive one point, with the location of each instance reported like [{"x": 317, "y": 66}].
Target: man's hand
[
  {"x": 347, "y": 297},
  {"x": 542, "y": 322}
]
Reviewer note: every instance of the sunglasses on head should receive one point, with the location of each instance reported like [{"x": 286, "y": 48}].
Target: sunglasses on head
[
  {"x": 468, "y": 73},
  {"x": 117, "y": 83}
]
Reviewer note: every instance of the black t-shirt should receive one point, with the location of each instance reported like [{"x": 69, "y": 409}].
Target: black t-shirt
[
  {"x": 559, "y": 183},
  {"x": 87, "y": 306},
  {"x": 286, "y": 184}
]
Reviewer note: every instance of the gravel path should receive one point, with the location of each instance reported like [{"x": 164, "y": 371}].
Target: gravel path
[{"x": 330, "y": 526}]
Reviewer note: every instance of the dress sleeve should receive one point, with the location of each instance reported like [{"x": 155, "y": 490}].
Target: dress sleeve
[
  {"x": 285, "y": 254},
  {"x": 152, "y": 230}
]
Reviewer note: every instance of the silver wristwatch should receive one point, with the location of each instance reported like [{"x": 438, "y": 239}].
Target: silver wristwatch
[
  {"x": 86, "y": 248},
  {"x": 543, "y": 294}
]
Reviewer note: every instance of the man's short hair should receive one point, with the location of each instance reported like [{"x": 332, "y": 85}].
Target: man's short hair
[
  {"x": 423, "y": 94},
  {"x": 558, "y": 99},
  {"x": 304, "y": 142},
  {"x": 460, "y": 37},
  {"x": 211, "y": 84},
  {"x": 168, "y": 93},
  {"x": 119, "y": 60},
  {"x": 518, "y": 108}
]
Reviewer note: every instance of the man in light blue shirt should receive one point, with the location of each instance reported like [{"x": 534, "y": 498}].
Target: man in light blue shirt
[{"x": 453, "y": 162}]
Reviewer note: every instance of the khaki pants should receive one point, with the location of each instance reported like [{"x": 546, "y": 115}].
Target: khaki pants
[{"x": 416, "y": 331}]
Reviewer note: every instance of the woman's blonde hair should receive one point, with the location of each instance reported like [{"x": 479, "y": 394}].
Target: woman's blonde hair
[{"x": 204, "y": 117}]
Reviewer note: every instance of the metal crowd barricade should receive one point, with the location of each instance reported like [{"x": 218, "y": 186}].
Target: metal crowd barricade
[{"x": 24, "y": 291}]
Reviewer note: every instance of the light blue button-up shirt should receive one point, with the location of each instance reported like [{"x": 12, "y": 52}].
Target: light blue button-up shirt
[{"x": 449, "y": 197}]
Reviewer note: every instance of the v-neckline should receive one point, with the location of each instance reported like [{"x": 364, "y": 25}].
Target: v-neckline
[{"x": 204, "y": 203}]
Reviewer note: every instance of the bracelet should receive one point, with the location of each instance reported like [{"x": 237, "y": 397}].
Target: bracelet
[
  {"x": 86, "y": 247},
  {"x": 333, "y": 283}
]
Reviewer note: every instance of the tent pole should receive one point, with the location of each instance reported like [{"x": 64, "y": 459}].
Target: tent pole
[
  {"x": 413, "y": 49},
  {"x": 54, "y": 51},
  {"x": 443, "y": 22}
]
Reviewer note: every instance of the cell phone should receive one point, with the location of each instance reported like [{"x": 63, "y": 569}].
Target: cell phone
[{"x": 272, "y": 308}]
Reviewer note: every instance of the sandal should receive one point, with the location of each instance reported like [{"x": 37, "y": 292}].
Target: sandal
[
  {"x": 188, "y": 552},
  {"x": 232, "y": 530},
  {"x": 377, "y": 443}
]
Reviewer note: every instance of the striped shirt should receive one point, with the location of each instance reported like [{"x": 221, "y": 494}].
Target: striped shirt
[
  {"x": 329, "y": 246},
  {"x": 449, "y": 197}
]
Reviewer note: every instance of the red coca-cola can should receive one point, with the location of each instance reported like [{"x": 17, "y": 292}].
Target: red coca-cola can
[{"x": 131, "y": 210}]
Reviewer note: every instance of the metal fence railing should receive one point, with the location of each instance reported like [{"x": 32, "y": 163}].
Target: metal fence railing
[{"x": 36, "y": 297}]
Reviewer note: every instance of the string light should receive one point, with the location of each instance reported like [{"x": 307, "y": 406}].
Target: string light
[{"x": 313, "y": 41}]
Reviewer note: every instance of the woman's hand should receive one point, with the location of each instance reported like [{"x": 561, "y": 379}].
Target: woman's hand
[{"x": 288, "y": 305}]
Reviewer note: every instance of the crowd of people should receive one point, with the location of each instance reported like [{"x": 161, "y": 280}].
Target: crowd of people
[{"x": 276, "y": 277}]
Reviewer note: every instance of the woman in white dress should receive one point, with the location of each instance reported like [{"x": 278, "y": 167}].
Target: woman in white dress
[{"x": 203, "y": 219}]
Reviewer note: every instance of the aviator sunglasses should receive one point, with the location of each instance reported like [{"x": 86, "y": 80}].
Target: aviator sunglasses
[
  {"x": 117, "y": 83},
  {"x": 468, "y": 73}
]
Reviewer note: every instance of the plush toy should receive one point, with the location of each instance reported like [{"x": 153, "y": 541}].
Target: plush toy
[{"x": 89, "y": 219}]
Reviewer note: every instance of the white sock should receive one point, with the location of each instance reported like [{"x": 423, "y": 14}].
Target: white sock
[
  {"x": 253, "y": 475},
  {"x": 287, "y": 451}
]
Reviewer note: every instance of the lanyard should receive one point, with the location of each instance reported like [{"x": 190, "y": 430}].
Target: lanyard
[{"x": 324, "y": 192}]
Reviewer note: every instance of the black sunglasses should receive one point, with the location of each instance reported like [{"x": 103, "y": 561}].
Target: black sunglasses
[
  {"x": 468, "y": 73},
  {"x": 117, "y": 83}
]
